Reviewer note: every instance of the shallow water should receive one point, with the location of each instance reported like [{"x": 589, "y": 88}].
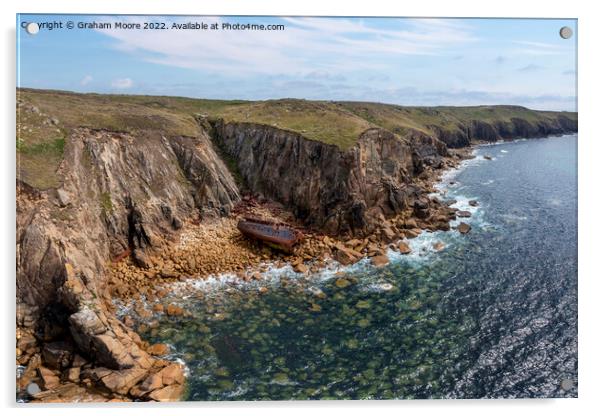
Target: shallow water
[{"x": 492, "y": 315}]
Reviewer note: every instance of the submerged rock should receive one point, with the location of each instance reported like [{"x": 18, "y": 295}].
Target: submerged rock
[
  {"x": 404, "y": 248},
  {"x": 380, "y": 261}
]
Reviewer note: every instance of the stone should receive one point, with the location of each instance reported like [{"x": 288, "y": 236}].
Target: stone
[
  {"x": 300, "y": 268},
  {"x": 168, "y": 273},
  {"x": 49, "y": 379},
  {"x": 345, "y": 255},
  {"x": 464, "y": 228},
  {"x": 404, "y": 248},
  {"x": 463, "y": 214},
  {"x": 342, "y": 283},
  {"x": 473, "y": 203},
  {"x": 380, "y": 261},
  {"x": 438, "y": 246},
  {"x": 158, "y": 349},
  {"x": 122, "y": 381},
  {"x": 388, "y": 234},
  {"x": 57, "y": 355},
  {"x": 72, "y": 374},
  {"x": 111, "y": 352},
  {"x": 157, "y": 307},
  {"x": 413, "y": 233},
  {"x": 173, "y": 310},
  {"x": 167, "y": 394},
  {"x": 172, "y": 374}
]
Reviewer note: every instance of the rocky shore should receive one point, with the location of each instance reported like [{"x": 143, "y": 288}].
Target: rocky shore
[{"x": 134, "y": 212}]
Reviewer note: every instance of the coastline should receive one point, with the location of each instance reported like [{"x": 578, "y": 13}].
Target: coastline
[{"x": 141, "y": 290}]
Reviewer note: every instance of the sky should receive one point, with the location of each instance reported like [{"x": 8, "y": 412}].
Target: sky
[{"x": 406, "y": 61}]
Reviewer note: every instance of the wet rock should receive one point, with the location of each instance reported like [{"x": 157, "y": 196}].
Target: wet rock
[
  {"x": 413, "y": 233},
  {"x": 487, "y": 157},
  {"x": 473, "y": 203},
  {"x": 72, "y": 374},
  {"x": 380, "y": 261},
  {"x": 438, "y": 246},
  {"x": 464, "y": 228},
  {"x": 158, "y": 349},
  {"x": 63, "y": 197},
  {"x": 404, "y": 248},
  {"x": 345, "y": 255},
  {"x": 463, "y": 214},
  {"x": 342, "y": 283},
  {"x": 301, "y": 268}
]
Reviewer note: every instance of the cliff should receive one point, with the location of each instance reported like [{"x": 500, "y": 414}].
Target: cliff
[{"x": 101, "y": 178}]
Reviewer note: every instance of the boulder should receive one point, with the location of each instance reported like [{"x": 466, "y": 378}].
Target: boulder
[
  {"x": 167, "y": 394},
  {"x": 464, "y": 228},
  {"x": 473, "y": 203},
  {"x": 173, "y": 310},
  {"x": 404, "y": 248},
  {"x": 345, "y": 255},
  {"x": 300, "y": 268},
  {"x": 438, "y": 246},
  {"x": 49, "y": 379},
  {"x": 57, "y": 355},
  {"x": 463, "y": 214},
  {"x": 173, "y": 373},
  {"x": 380, "y": 261},
  {"x": 158, "y": 349}
]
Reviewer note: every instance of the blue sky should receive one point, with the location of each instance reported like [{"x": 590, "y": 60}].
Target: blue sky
[{"x": 404, "y": 61}]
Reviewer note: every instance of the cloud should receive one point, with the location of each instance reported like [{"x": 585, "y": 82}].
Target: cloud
[
  {"x": 86, "y": 80},
  {"x": 530, "y": 68},
  {"x": 122, "y": 83},
  {"x": 307, "y": 45}
]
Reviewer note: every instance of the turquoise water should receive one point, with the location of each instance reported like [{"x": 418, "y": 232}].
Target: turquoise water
[{"x": 494, "y": 314}]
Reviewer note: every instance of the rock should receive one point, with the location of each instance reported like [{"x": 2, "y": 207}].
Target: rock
[
  {"x": 141, "y": 259},
  {"x": 122, "y": 381},
  {"x": 345, "y": 255},
  {"x": 151, "y": 383},
  {"x": 167, "y": 394},
  {"x": 314, "y": 307},
  {"x": 404, "y": 248},
  {"x": 300, "y": 268},
  {"x": 57, "y": 355},
  {"x": 342, "y": 283},
  {"x": 157, "y": 307},
  {"x": 421, "y": 209},
  {"x": 173, "y": 373},
  {"x": 63, "y": 197},
  {"x": 413, "y": 233},
  {"x": 463, "y": 228},
  {"x": 168, "y": 273},
  {"x": 379, "y": 261},
  {"x": 158, "y": 349},
  {"x": 487, "y": 157},
  {"x": 49, "y": 379},
  {"x": 73, "y": 374},
  {"x": 410, "y": 223},
  {"x": 438, "y": 246},
  {"x": 173, "y": 310},
  {"x": 473, "y": 203},
  {"x": 463, "y": 214}
]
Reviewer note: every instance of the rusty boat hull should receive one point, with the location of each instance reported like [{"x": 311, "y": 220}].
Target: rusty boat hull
[{"x": 278, "y": 236}]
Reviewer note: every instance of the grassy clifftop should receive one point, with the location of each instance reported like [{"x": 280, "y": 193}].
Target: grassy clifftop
[{"x": 45, "y": 119}]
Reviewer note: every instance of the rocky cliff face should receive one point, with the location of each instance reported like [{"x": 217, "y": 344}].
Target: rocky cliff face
[
  {"x": 333, "y": 190},
  {"x": 466, "y": 133},
  {"x": 120, "y": 193}
]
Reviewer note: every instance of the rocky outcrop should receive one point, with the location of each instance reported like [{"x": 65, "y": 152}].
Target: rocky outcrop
[
  {"x": 121, "y": 194},
  {"x": 336, "y": 191},
  {"x": 464, "y": 134}
]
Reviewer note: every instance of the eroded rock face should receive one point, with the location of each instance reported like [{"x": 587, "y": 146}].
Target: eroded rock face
[
  {"x": 120, "y": 194},
  {"x": 330, "y": 189},
  {"x": 463, "y": 134}
]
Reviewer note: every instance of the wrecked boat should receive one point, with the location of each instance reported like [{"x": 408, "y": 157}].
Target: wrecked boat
[{"x": 275, "y": 235}]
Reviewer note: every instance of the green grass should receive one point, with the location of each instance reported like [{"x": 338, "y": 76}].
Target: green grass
[{"x": 40, "y": 142}]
